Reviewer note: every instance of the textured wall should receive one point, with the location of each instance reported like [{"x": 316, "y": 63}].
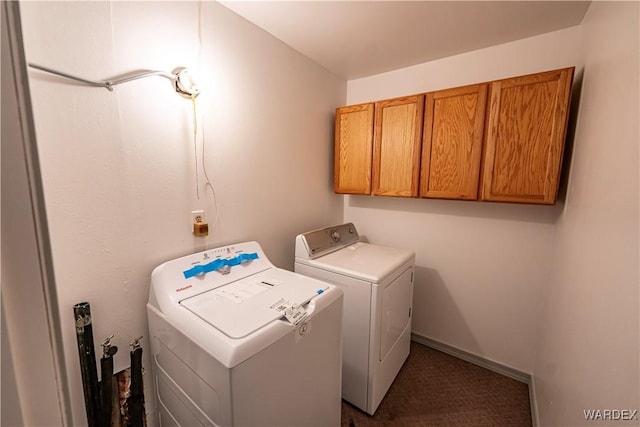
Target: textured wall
[
  {"x": 588, "y": 354},
  {"x": 118, "y": 168},
  {"x": 481, "y": 267}
]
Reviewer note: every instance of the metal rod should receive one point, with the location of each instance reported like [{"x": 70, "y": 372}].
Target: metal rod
[
  {"x": 108, "y": 84},
  {"x": 72, "y": 77},
  {"x": 142, "y": 75},
  {"x": 106, "y": 386},
  {"x": 84, "y": 335},
  {"x": 136, "y": 398}
]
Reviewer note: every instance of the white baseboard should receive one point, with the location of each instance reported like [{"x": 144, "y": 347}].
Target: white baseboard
[{"x": 491, "y": 365}]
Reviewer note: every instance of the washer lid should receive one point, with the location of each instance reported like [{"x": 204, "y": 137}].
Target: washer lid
[
  {"x": 246, "y": 305},
  {"x": 364, "y": 261}
]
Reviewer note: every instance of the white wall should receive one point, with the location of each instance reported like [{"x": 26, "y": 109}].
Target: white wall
[
  {"x": 118, "y": 168},
  {"x": 11, "y": 406},
  {"x": 481, "y": 267},
  {"x": 588, "y": 355},
  {"x": 31, "y": 392}
]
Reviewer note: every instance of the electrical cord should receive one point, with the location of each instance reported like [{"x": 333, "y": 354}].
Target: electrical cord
[
  {"x": 208, "y": 182},
  {"x": 195, "y": 144}
]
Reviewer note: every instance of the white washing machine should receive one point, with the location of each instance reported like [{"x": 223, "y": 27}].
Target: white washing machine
[
  {"x": 239, "y": 342},
  {"x": 377, "y": 282}
]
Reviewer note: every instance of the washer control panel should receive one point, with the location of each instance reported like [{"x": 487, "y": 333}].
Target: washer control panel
[{"x": 193, "y": 274}]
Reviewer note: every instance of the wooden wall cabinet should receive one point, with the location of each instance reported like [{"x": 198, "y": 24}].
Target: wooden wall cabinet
[
  {"x": 353, "y": 149},
  {"x": 500, "y": 141},
  {"x": 452, "y": 142},
  {"x": 396, "y": 148},
  {"x": 526, "y": 127}
]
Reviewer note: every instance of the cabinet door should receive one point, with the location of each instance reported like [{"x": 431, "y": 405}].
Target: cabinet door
[
  {"x": 353, "y": 149},
  {"x": 525, "y": 135},
  {"x": 396, "y": 148},
  {"x": 452, "y": 142}
]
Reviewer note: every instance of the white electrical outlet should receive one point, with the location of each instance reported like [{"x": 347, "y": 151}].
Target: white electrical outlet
[{"x": 197, "y": 216}]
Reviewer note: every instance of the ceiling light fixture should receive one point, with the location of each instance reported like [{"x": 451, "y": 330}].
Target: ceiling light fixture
[{"x": 185, "y": 82}]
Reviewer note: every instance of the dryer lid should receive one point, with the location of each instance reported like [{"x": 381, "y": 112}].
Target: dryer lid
[
  {"x": 364, "y": 261},
  {"x": 243, "y": 307}
]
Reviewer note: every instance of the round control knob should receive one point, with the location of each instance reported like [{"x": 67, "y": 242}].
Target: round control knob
[
  {"x": 335, "y": 236},
  {"x": 224, "y": 269}
]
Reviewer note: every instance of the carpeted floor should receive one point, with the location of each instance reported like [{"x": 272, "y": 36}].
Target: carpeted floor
[{"x": 435, "y": 389}]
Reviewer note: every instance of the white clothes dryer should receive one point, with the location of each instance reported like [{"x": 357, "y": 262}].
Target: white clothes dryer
[
  {"x": 239, "y": 342},
  {"x": 377, "y": 282}
]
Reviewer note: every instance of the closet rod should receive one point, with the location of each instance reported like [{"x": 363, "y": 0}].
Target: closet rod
[{"x": 108, "y": 84}]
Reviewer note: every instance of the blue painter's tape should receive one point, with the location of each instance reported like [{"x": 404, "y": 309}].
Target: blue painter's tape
[
  {"x": 217, "y": 264},
  {"x": 319, "y": 291},
  {"x": 243, "y": 258},
  {"x": 194, "y": 271}
]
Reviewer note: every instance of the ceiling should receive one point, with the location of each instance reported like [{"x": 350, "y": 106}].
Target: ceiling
[{"x": 355, "y": 39}]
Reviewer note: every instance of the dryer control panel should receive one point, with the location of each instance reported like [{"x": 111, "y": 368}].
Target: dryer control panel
[{"x": 325, "y": 240}]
